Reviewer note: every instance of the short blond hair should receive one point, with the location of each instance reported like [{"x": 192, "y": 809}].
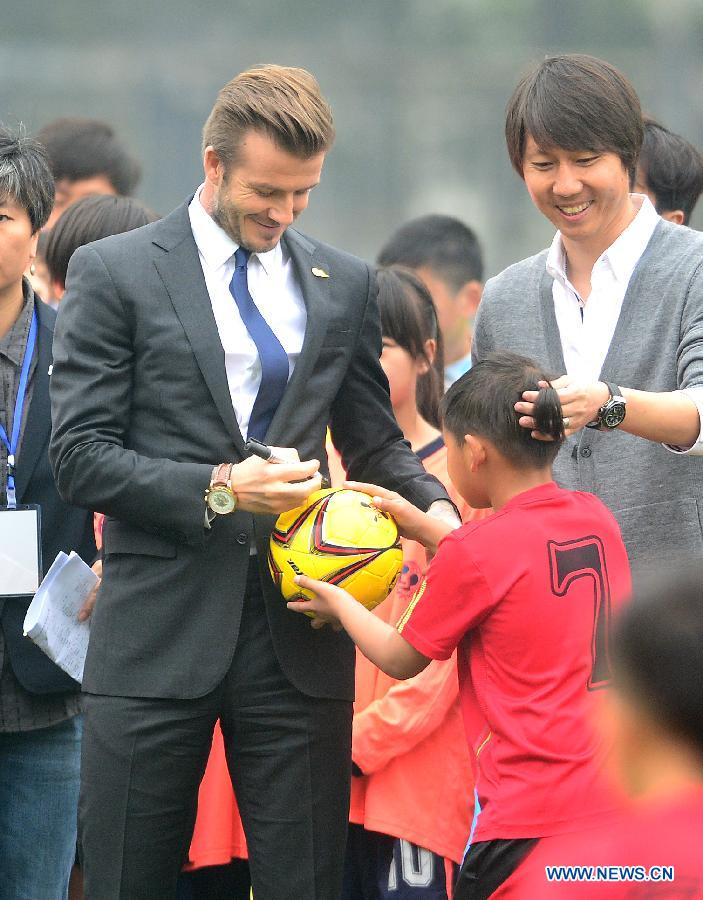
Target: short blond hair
[{"x": 282, "y": 102}]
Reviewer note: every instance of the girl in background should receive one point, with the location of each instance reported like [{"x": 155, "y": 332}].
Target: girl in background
[{"x": 412, "y": 794}]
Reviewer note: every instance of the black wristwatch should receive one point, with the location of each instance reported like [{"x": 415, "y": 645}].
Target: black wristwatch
[{"x": 613, "y": 411}]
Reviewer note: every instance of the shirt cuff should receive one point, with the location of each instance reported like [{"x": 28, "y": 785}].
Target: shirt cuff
[
  {"x": 696, "y": 394},
  {"x": 445, "y": 511}
]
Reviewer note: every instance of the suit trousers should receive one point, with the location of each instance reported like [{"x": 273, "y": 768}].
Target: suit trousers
[{"x": 289, "y": 760}]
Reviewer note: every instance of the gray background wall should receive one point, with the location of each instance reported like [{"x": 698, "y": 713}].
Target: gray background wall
[{"x": 418, "y": 88}]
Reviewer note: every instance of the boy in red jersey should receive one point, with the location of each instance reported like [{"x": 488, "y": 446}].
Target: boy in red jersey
[
  {"x": 655, "y": 717},
  {"x": 526, "y": 595}
]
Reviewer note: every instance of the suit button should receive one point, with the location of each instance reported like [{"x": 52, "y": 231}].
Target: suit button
[
  {"x": 586, "y": 451},
  {"x": 242, "y": 538}
]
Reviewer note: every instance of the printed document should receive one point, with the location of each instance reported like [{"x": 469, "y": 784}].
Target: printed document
[{"x": 52, "y": 618}]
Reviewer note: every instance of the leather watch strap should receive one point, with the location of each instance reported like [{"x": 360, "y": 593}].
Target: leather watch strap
[{"x": 221, "y": 474}]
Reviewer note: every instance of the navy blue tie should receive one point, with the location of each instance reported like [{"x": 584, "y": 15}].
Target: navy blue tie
[{"x": 273, "y": 358}]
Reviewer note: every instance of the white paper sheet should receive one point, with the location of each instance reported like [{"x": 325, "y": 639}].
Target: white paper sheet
[{"x": 52, "y": 618}]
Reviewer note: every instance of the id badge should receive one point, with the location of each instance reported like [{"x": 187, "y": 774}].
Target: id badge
[{"x": 20, "y": 551}]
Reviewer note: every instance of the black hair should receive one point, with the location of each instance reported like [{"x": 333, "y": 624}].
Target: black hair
[
  {"x": 25, "y": 177},
  {"x": 83, "y": 148},
  {"x": 672, "y": 169},
  {"x": 656, "y": 651},
  {"x": 575, "y": 102},
  {"x": 482, "y": 403},
  {"x": 441, "y": 243},
  {"x": 90, "y": 219},
  {"x": 408, "y": 317}
]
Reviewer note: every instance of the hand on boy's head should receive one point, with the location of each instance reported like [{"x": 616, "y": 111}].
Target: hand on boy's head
[
  {"x": 579, "y": 404},
  {"x": 323, "y": 604}
]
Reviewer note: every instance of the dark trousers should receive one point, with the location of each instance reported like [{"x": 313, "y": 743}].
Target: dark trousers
[
  {"x": 226, "y": 882},
  {"x": 289, "y": 759},
  {"x": 488, "y": 864},
  {"x": 382, "y": 867}
]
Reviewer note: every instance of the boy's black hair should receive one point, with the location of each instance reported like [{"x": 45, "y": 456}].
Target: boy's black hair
[
  {"x": 441, "y": 243},
  {"x": 656, "y": 651},
  {"x": 575, "y": 102},
  {"x": 90, "y": 219},
  {"x": 409, "y": 317},
  {"x": 482, "y": 403},
  {"x": 25, "y": 177},
  {"x": 83, "y": 148},
  {"x": 672, "y": 169}
]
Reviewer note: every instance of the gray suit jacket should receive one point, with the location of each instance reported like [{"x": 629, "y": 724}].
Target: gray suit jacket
[
  {"x": 142, "y": 411},
  {"x": 656, "y": 495}
]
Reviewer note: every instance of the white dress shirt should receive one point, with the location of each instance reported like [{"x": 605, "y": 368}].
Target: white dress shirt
[
  {"x": 276, "y": 293},
  {"x": 586, "y": 328}
]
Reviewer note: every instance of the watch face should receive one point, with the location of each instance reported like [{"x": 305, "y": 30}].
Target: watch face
[
  {"x": 221, "y": 501},
  {"x": 614, "y": 415}
]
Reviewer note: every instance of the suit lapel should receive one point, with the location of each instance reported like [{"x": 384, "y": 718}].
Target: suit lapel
[
  {"x": 182, "y": 275},
  {"x": 315, "y": 290},
  {"x": 38, "y": 424}
]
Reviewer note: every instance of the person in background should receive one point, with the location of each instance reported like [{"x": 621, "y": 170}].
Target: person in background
[
  {"x": 40, "y": 721},
  {"x": 669, "y": 172},
  {"x": 654, "y": 718},
  {"x": 412, "y": 794},
  {"x": 447, "y": 256},
  {"x": 89, "y": 219},
  {"x": 86, "y": 157},
  {"x": 38, "y": 275},
  {"x": 525, "y": 595}
]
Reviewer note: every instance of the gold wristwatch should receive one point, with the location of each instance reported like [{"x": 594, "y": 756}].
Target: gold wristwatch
[{"x": 220, "y": 497}]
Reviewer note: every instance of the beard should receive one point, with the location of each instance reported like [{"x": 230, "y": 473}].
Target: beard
[
  {"x": 226, "y": 218},
  {"x": 232, "y": 219}
]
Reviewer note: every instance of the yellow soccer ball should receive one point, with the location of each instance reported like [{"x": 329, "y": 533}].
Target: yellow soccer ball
[{"x": 340, "y": 537}]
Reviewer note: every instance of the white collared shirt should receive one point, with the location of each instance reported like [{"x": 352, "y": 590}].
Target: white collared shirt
[
  {"x": 275, "y": 290},
  {"x": 586, "y": 328}
]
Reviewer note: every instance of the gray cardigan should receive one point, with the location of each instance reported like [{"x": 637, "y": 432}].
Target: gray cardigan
[{"x": 656, "y": 495}]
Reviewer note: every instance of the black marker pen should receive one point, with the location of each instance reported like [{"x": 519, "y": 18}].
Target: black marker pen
[{"x": 263, "y": 451}]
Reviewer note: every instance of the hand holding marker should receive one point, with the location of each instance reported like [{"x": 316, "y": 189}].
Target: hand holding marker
[{"x": 263, "y": 451}]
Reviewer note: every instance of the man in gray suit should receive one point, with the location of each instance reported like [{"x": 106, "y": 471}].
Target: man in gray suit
[
  {"x": 614, "y": 307},
  {"x": 174, "y": 343}
]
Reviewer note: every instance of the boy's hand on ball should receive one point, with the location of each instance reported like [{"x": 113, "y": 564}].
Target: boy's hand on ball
[
  {"x": 264, "y": 487},
  {"x": 412, "y": 523},
  {"x": 323, "y": 606}
]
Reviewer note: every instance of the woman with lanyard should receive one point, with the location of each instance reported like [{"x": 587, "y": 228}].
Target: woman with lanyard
[{"x": 40, "y": 725}]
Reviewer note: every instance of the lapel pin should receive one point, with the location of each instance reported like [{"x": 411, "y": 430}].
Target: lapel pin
[
  {"x": 51, "y": 369},
  {"x": 319, "y": 273}
]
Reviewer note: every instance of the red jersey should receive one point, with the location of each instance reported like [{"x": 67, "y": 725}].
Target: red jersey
[
  {"x": 654, "y": 851},
  {"x": 527, "y": 595}
]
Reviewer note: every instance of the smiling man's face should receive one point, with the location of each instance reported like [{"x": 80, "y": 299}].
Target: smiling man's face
[
  {"x": 583, "y": 193},
  {"x": 261, "y": 193}
]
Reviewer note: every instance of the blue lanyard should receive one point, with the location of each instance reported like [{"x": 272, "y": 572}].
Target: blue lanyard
[{"x": 17, "y": 419}]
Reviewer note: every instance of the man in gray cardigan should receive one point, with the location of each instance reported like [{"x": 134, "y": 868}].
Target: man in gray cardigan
[{"x": 614, "y": 308}]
